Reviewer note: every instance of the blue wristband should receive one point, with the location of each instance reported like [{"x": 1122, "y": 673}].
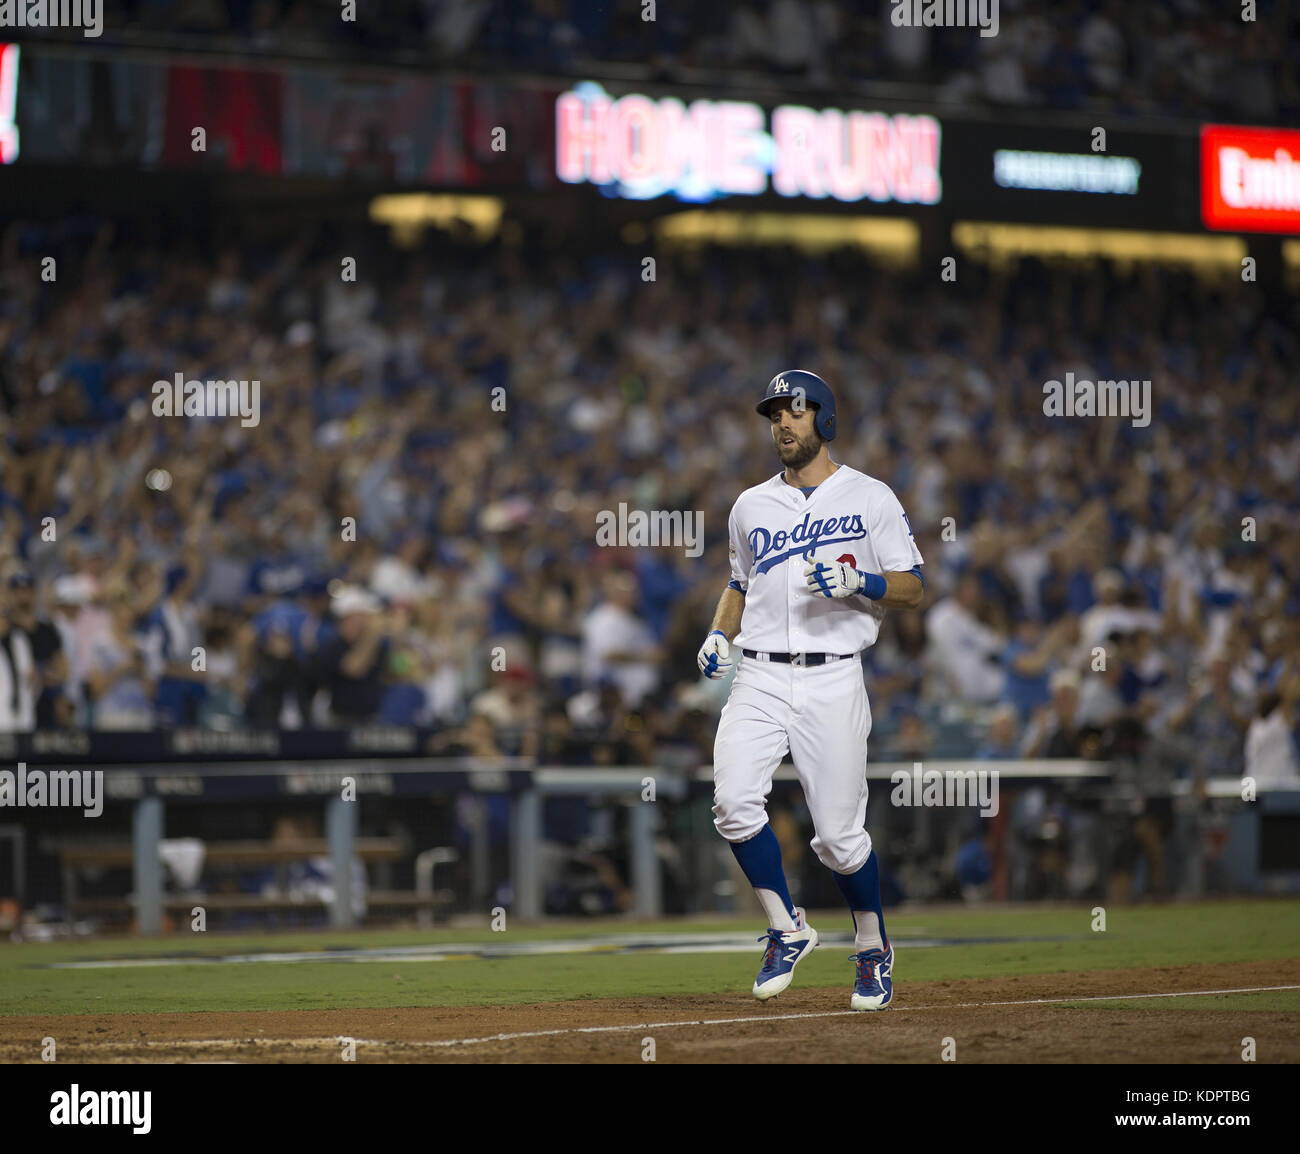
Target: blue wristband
[{"x": 871, "y": 585}]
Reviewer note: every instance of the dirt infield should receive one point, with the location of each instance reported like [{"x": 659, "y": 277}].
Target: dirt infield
[{"x": 811, "y": 1025}]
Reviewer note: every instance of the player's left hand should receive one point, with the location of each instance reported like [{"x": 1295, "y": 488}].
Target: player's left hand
[{"x": 832, "y": 578}]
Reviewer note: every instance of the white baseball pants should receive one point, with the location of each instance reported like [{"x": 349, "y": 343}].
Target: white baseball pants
[{"x": 821, "y": 715}]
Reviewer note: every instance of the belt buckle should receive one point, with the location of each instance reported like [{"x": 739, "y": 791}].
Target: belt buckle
[{"x": 800, "y": 659}]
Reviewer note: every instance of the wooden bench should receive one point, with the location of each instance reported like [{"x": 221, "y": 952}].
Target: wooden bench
[
  {"x": 244, "y": 903},
  {"x": 227, "y": 856}
]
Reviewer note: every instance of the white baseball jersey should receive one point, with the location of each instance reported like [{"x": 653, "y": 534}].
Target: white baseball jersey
[{"x": 774, "y": 528}]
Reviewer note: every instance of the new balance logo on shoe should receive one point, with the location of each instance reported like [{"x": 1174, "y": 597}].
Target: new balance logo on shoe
[{"x": 782, "y": 952}]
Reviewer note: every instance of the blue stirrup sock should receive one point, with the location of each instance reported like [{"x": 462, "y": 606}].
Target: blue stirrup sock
[
  {"x": 760, "y": 859},
  {"x": 862, "y": 891}
]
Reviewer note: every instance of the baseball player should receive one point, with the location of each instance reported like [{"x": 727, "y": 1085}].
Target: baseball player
[{"x": 817, "y": 553}]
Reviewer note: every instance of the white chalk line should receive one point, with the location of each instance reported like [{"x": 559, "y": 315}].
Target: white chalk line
[
  {"x": 749, "y": 1019},
  {"x": 746, "y": 1020}
]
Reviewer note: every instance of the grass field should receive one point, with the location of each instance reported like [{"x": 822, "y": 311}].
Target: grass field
[{"x": 1008, "y": 983}]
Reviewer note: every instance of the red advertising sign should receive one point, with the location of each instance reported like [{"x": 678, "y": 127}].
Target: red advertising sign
[
  {"x": 8, "y": 103},
  {"x": 239, "y": 110},
  {"x": 1250, "y": 179}
]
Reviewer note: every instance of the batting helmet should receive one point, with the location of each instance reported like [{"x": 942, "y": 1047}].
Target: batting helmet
[{"x": 801, "y": 384}]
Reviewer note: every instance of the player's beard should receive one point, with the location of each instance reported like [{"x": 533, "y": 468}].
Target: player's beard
[{"x": 801, "y": 452}]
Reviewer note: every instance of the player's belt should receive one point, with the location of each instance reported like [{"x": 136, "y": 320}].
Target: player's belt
[{"x": 799, "y": 658}]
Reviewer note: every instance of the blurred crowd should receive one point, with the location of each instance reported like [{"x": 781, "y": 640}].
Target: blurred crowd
[
  {"x": 1165, "y": 58},
  {"x": 408, "y": 534}
]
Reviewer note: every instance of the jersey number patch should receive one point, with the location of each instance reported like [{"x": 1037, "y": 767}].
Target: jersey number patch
[{"x": 848, "y": 557}]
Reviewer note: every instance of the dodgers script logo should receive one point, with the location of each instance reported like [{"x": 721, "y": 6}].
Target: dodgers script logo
[{"x": 769, "y": 549}]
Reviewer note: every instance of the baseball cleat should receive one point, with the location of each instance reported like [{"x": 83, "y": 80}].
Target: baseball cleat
[
  {"x": 784, "y": 951},
  {"x": 874, "y": 987}
]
